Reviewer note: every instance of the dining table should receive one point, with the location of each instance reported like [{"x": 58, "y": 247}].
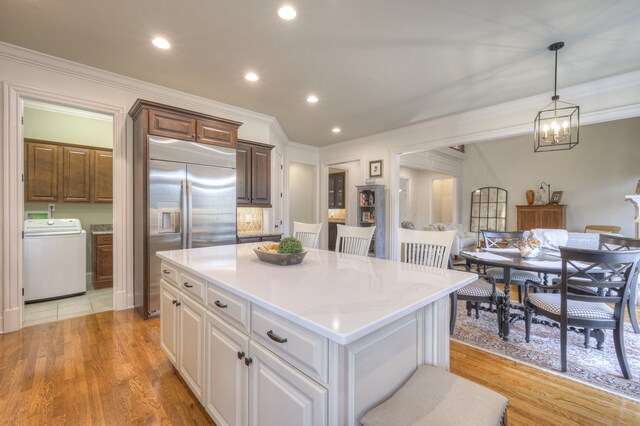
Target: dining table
[{"x": 546, "y": 263}]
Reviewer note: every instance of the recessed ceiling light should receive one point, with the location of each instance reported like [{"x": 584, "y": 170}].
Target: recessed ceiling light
[
  {"x": 336, "y": 130},
  {"x": 287, "y": 12},
  {"x": 312, "y": 99},
  {"x": 251, "y": 76},
  {"x": 161, "y": 43}
]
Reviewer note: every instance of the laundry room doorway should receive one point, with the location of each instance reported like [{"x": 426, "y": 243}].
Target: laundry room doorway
[{"x": 68, "y": 212}]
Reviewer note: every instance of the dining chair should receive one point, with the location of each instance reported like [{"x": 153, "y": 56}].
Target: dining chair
[
  {"x": 614, "y": 271},
  {"x": 615, "y": 243},
  {"x": 498, "y": 240},
  {"x": 307, "y": 233},
  {"x": 428, "y": 248},
  {"x": 354, "y": 240}
]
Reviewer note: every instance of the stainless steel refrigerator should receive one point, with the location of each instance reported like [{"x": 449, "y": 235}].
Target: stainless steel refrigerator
[{"x": 192, "y": 201}]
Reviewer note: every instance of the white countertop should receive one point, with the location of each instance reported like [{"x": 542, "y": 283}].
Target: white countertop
[{"x": 341, "y": 297}]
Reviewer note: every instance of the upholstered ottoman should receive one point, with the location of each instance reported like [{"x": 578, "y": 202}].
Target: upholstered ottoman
[{"x": 433, "y": 396}]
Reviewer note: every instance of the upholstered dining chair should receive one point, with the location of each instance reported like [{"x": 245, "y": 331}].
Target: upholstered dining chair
[
  {"x": 495, "y": 240},
  {"x": 307, "y": 233},
  {"x": 615, "y": 243},
  {"x": 428, "y": 248},
  {"x": 354, "y": 240},
  {"x": 614, "y": 271}
]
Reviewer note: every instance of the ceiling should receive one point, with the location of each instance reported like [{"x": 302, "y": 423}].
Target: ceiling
[{"x": 376, "y": 65}]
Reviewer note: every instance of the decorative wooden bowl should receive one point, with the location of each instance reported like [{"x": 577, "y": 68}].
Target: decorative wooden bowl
[{"x": 281, "y": 259}]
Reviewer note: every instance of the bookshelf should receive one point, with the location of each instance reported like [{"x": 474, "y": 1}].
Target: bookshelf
[{"x": 371, "y": 211}]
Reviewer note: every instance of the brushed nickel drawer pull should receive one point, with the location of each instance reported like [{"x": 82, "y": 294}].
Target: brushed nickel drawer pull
[
  {"x": 273, "y": 336},
  {"x": 220, "y": 305}
]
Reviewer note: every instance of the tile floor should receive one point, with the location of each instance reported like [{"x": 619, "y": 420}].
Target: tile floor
[{"x": 90, "y": 302}]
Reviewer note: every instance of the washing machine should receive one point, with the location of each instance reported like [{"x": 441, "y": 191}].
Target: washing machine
[{"x": 54, "y": 259}]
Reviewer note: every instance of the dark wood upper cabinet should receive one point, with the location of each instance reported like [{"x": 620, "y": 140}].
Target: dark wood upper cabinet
[
  {"x": 170, "y": 125},
  {"x": 253, "y": 171},
  {"x": 102, "y": 177},
  {"x": 216, "y": 133},
  {"x": 76, "y": 174},
  {"x": 243, "y": 173},
  {"x": 41, "y": 171},
  {"x": 336, "y": 190},
  {"x": 261, "y": 175},
  {"x": 59, "y": 172}
]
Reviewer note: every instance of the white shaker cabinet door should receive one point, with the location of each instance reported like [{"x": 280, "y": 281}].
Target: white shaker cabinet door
[
  {"x": 281, "y": 395},
  {"x": 227, "y": 375},
  {"x": 191, "y": 347},
  {"x": 169, "y": 322}
]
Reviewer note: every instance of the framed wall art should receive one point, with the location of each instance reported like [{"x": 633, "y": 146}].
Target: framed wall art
[{"x": 375, "y": 168}]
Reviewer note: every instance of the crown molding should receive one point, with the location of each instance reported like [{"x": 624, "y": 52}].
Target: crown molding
[
  {"x": 306, "y": 147},
  {"x": 57, "y": 65}
]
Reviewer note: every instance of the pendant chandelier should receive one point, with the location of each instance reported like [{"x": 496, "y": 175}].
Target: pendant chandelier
[{"x": 557, "y": 126}]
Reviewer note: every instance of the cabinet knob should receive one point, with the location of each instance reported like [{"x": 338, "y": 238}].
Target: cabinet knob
[
  {"x": 64, "y": 195},
  {"x": 178, "y": 303},
  {"x": 187, "y": 285},
  {"x": 174, "y": 301},
  {"x": 220, "y": 305},
  {"x": 273, "y": 336},
  {"x": 248, "y": 361},
  {"x": 240, "y": 355}
]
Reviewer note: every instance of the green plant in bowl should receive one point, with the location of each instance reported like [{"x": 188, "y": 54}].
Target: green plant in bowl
[{"x": 290, "y": 245}]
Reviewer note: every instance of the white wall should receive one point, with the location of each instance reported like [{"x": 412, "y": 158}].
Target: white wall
[
  {"x": 595, "y": 175},
  {"x": 302, "y": 186}
]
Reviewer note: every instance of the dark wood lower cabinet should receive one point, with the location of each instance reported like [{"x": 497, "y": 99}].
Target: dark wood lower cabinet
[
  {"x": 102, "y": 261},
  {"x": 333, "y": 235}
]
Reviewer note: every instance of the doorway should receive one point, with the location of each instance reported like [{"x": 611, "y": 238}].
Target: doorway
[{"x": 68, "y": 212}]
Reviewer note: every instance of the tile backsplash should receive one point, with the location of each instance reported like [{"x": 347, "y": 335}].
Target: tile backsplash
[
  {"x": 249, "y": 219},
  {"x": 336, "y": 213}
]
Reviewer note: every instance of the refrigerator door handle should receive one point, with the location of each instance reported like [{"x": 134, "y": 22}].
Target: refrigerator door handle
[
  {"x": 189, "y": 215},
  {"x": 185, "y": 218}
]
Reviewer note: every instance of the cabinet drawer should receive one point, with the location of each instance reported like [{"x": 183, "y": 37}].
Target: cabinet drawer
[
  {"x": 169, "y": 273},
  {"x": 194, "y": 287},
  {"x": 104, "y": 239},
  {"x": 304, "y": 349},
  {"x": 229, "y": 306}
]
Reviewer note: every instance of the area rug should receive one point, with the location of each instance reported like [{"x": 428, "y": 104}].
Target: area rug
[{"x": 594, "y": 367}]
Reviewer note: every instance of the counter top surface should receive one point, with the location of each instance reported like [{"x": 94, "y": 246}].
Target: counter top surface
[
  {"x": 258, "y": 234},
  {"x": 102, "y": 229},
  {"x": 101, "y": 232},
  {"x": 342, "y": 297}
]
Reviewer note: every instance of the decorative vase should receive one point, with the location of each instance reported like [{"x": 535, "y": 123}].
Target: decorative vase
[{"x": 531, "y": 194}]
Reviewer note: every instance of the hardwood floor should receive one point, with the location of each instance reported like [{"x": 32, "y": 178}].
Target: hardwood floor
[
  {"x": 105, "y": 368},
  {"x": 108, "y": 368}
]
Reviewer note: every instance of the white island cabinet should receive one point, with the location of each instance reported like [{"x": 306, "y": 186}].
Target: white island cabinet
[{"x": 318, "y": 343}]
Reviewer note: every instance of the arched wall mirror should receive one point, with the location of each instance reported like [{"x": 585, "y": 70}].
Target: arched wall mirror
[{"x": 488, "y": 209}]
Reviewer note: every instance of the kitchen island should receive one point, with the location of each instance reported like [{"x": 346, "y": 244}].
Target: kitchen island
[{"x": 311, "y": 344}]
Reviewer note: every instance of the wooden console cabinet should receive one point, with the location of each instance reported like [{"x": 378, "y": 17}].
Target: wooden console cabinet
[{"x": 548, "y": 216}]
